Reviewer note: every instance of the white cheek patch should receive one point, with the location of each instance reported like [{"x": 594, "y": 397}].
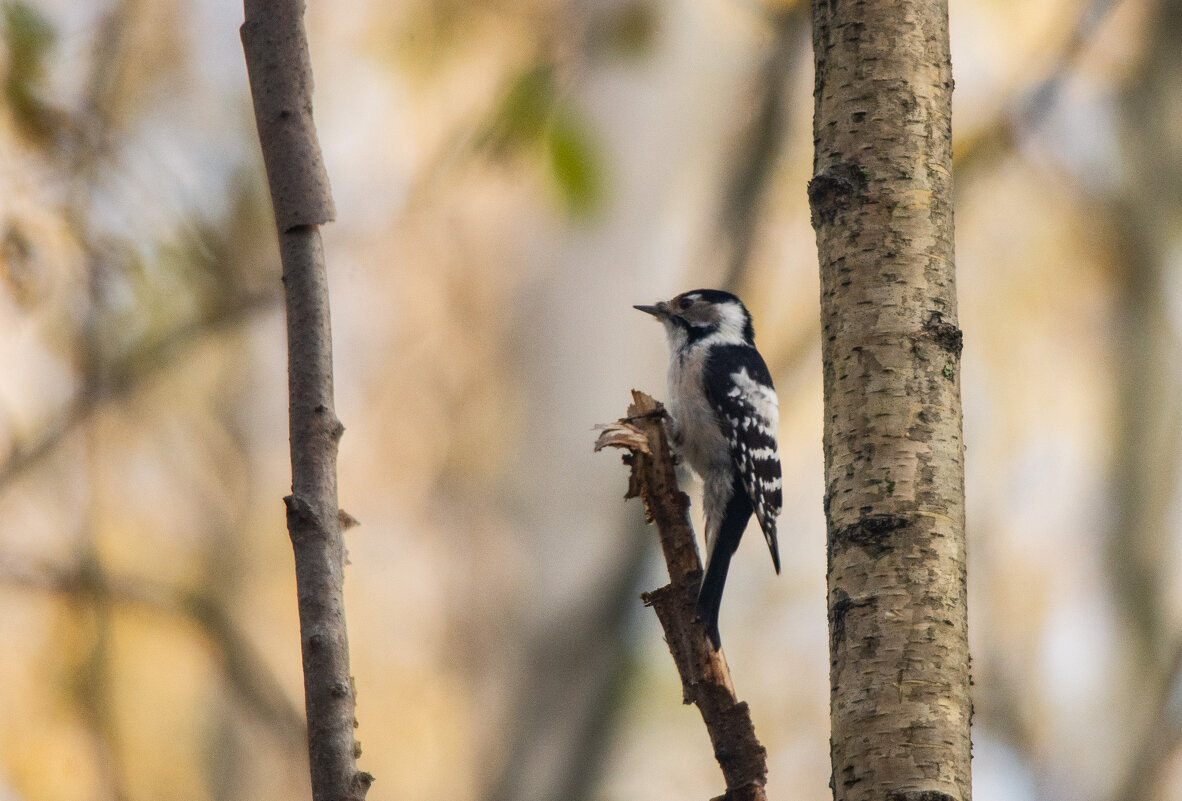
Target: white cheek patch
[
  {"x": 732, "y": 323},
  {"x": 729, "y": 323}
]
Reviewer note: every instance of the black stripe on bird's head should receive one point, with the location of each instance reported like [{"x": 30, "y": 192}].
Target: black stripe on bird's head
[{"x": 701, "y": 313}]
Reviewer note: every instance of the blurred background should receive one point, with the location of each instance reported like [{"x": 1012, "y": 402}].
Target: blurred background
[{"x": 510, "y": 177}]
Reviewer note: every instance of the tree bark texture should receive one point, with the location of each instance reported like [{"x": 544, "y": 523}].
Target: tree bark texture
[
  {"x": 705, "y": 677},
  {"x": 280, "y": 72},
  {"x": 881, "y": 200}
]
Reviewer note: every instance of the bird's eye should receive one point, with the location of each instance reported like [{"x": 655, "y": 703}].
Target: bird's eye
[{"x": 685, "y": 303}]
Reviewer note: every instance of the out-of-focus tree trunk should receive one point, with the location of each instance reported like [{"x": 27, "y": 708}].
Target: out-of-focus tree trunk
[
  {"x": 760, "y": 144},
  {"x": 1147, "y": 416},
  {"x": 881, "y": 199},
  {"x": 1145, "y": 472}
]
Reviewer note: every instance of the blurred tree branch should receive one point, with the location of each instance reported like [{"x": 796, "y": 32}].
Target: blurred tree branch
[
  {"x": 87, "y": 134},
  {"x": 1148, "y": 419},
  {"x": 93, "y": 673},
  {"x": 1160, "y": 739},
  {"x": 559, "y": 660},
  {"x": 1024, "y": 114},
  {"x": 705, "y": 677},
  {"x": 124, "y": 376},
  {"x": 244, "y": 668},
  {"x": 279, "y": 66},
  {"x": 760, "y": 143}
]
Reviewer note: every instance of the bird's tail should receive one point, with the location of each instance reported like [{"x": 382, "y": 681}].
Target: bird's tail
[{"x": 710, "y": 596}]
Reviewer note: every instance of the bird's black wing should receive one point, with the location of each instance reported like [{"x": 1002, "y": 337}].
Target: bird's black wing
[{"x": 739, "y": 386}]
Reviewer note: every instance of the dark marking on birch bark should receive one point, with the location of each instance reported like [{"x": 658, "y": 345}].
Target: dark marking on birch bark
[
  {"x": 839, "y": 608},
  {"x": 850, "y": 778},
  {"x": 871, "y": 533},
  {"x": 881, "y": 204},
  {"x": 833, "y": 189},
  {"x": 920, "y": 795},
  {"x": 947, "y": 336}
]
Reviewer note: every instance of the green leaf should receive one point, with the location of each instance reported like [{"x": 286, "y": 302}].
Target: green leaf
[
  {"x": 523, "y": 113},
  {"x": 574, "y": 162},
  {"x": 29, "y": 38}
]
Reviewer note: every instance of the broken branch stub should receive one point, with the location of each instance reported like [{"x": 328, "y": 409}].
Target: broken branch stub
[{"x": 705, "y": 677}]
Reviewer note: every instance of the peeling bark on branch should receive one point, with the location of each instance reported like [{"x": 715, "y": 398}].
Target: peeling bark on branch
[
  {"x": 705, "y": 677},
  {"x": 280, "y": 71},
  {"x": 881, "y": 200}
]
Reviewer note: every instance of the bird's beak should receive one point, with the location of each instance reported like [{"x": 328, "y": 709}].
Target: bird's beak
[{"x": 660, "y": 311}]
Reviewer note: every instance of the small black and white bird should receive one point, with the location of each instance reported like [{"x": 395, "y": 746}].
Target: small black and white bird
[{"x": 724, "y": 419}]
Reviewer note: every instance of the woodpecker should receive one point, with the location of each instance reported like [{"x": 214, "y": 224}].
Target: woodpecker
[{"x": 724, "y": 416}]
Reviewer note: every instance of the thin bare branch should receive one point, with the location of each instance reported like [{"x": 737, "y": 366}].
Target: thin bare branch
[{"x": 280, "y": 70}]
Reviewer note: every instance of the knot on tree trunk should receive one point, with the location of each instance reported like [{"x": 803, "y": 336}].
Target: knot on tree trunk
[{"x": 832, "y": 190}]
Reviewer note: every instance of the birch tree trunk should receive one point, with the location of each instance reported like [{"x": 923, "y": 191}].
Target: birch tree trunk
[{"x": 881, "y": 200}]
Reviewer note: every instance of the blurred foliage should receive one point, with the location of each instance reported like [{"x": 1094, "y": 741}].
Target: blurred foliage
[
  {"x": 575, "y": 163},
  {"x": 29, "y": 39},
  {"x": 522, "y": 116},
  {"x": 629, "y": 31},
  {"x": 534, "y": 118},
  {"x": 431, "y": 33}
]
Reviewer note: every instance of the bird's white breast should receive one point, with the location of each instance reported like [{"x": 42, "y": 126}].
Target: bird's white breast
[{"x": 701, "y": 443}]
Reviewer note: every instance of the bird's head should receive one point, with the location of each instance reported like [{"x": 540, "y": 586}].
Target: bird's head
[{"x": 693, "y": 316}]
